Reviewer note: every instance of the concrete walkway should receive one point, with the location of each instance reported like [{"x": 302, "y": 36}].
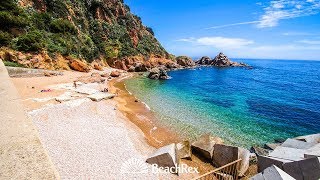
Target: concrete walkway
[{"x": 22, "y": 155}]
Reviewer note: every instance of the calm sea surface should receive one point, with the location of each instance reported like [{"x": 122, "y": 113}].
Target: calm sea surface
[{"x": 275, "y": 99}]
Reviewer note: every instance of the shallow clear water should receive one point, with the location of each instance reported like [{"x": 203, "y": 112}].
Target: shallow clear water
[{"x": 275, "y": 99}]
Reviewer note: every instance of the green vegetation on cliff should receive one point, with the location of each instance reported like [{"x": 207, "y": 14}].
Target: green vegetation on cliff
[{"x": 82, "y": 28}]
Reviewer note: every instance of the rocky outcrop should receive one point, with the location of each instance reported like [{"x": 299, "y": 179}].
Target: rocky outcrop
[
  {"x": 205, "y": 60},
  {"x": 94, "y": 78},
  {"x": 221, "y": 60},
  {"x": 185, "y": 61},
  {"x": 158, "y": 73},
  {"x": 78, "y": 65}
]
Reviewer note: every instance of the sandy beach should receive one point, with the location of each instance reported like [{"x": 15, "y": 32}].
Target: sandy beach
[{"x": 87, "y": 139}]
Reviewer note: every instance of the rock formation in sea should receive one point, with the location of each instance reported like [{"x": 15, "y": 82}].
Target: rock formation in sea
[
  {"x": 158, "y": 73},
  {"x": 221, "y": 60}
]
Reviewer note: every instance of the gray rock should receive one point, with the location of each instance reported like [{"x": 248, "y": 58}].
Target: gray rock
[
  {"x": 205, "y": 60},
  {"x": 272, "y": 173},
  {"x": 131, "y": 69},
  {"x": 204, "y": 146},
  {"x": 303, "y": 169},
  {"x": 259, "y": 151},
  {"x": 272, "y": 146},
  {"x": 313, "y": 151},
  {"x": 224, "y": 154},
  {"x": 100, "y": 96},
  {"x": 313, "y": 138},
  {"x": 139, "y": 67},
  {"x": 293, "y": 143},
  {"x": 158, "y": 73},
  {"x": 265, "y": 162},
  {"x": 184, "y": 150},
  {"x": 164, "y": 157},
  {"x": 287, "y": 153}
]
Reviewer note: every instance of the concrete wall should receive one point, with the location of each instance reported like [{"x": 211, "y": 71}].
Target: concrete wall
[{"x": 22, "y": 155}]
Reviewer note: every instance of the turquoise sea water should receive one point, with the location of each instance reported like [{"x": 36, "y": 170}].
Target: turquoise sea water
[{"x": 275, "y": 99}]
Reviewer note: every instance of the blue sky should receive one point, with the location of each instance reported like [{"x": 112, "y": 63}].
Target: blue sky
[{"x": 277, "y": 29}]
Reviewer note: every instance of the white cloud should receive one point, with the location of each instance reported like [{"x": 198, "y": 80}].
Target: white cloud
[
  {"x": 287, "y": 9},
  {"x": 279, "y": 10},
  {"x": 298, "y": 34},
  {"x": 219, "y": 42},
  {"x": 310, "y": 42},
  {"x": 233, "y": 24}
]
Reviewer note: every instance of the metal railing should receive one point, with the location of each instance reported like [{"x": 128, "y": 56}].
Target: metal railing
[{"x": 226, "y": 172}]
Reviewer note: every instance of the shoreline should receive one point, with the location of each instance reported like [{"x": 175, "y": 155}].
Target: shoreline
[
  {"x": 145, "y": 121},
  {"x": 139, "y": 113}
]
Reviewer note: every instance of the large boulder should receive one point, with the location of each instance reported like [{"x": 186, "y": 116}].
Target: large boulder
[
  {"x": 78, "y": 65},
  {"x": 224, "y": 154},
  {"x": 164, "y": 157},
  {"x": 184, "y": 150},
  {"x": 185, "y": 61},
  {"x": 140, "y": 67},
  {"x": 272, "y": 173},
  {"x": 303, "y": 169},
  {"x": 158, "y": 73},
  {"x": 204, "y": 146},
  {"x": 115, "y": 74}
]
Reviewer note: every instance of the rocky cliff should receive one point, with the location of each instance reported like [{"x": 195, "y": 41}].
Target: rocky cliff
[{"x": 37, "y": 33}]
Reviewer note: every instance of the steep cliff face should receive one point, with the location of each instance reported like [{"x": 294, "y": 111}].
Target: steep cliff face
[{"x": 84, "y": 29}]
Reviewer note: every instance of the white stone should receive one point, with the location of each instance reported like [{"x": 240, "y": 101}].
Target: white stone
[
  {"x": 64, "y": 97},
  {"x": 313, "y": 138},
  {"x": 313, "y": 151},
  {"x": 86, "y": 90},
  {"x": 100, "y": 96},
  {"x": 288, "y": 153},
  {"x": 293, "y": 143}
]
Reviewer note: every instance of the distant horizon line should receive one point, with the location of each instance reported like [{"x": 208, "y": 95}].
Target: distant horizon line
[{"x": 270, "y": 59}]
